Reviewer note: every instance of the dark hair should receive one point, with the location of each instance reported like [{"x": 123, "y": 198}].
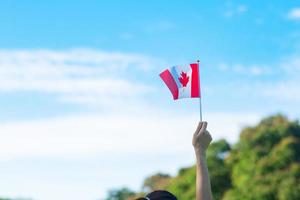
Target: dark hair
[{"x": 159, "y": 195}]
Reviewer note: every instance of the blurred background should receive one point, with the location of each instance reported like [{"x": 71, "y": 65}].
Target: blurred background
[{"x": 84, "y": 114}]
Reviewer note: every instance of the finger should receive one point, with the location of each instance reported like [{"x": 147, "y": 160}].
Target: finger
[
  {"x": 200, "y": 124},
  {"x": 198, "y": 129},
  {"x": 209, "y": 135},
  {"x": 203, "y": 128}
]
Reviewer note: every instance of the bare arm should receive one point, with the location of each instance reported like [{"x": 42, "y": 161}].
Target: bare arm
[{"x": 201, "y": 141}]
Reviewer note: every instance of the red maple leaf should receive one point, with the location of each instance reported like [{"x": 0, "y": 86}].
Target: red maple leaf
[{"x": 184, "y": 79}]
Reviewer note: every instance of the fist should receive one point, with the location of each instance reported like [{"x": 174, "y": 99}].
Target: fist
[{"x": 201, "y": 138}]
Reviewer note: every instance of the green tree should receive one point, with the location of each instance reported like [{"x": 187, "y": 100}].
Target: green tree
[
  {"x": 156, "y": 182},
  {"x": 183, "y": 185},
  {"x": 219, "y": 172},
  {"x": 263, "y": 165},
  {"x": 265, "y": 162},
  {"x": 120, "y": 194}
]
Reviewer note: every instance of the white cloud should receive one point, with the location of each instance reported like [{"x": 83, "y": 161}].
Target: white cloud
[
  {"x": 241, "y": 9},
  {"x": 233, "y": 11},
  {"x": 254, "y": 70},
  {"x": 294, "y": 14},
  {"x": 282, "y": 86},
  {"x": 287, "y": 88},
  {"x": 282, "y": 90},
  {"x": 152, "y": 142},
  {"x": 126, "y": 36},
  {"x": 286, "y": 66},
  {"x": 76, "y": 75},
  {"x": 108, "y": 134},
  {"x": 160, "y": 26},
  {"x": 228, "y": 14},
  {"x": 291, "y": 64}
]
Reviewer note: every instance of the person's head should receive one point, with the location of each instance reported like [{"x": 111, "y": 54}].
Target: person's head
[{"x": 159, "y": 195}]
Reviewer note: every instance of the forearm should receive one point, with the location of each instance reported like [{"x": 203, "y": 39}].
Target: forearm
[{"x": 203, "y": 187}]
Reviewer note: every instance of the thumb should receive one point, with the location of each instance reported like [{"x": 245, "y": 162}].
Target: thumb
[{"x": 203, "y": 128}]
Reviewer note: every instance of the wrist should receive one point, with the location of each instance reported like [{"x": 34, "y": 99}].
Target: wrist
[{"x": 200, "y": 153}]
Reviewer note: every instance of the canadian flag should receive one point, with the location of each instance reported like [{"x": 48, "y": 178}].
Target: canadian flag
[{"x": 183, "y": 81}]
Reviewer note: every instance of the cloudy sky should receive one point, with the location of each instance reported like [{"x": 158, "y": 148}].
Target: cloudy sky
[{"x": 82, "y": 108}]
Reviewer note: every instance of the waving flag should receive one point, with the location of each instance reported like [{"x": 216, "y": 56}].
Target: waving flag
[{"x": 183, "y": 81}]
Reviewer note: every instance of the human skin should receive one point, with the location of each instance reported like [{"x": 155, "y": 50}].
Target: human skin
[{"x": 201, "y": 141}]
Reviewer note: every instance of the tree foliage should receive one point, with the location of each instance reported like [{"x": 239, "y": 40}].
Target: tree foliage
[
  {"x": 156, "y": 182},
  {"x": 120, "y": 194},
  {"x": 263, "y": 165}
]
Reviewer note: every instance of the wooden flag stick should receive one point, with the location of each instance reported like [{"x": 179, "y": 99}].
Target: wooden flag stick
[{"x": 200, "y": 103}]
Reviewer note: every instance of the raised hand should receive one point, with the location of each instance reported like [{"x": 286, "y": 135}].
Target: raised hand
[
  {"x": 201, "y": 138},
  {"x": 201, "y": 141}
]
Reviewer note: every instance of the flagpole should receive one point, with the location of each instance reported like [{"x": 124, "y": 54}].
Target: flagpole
[{"x": 200, "y": 103}]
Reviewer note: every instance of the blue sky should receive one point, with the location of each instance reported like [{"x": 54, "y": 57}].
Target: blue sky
[{"x": 81, "y": 103}]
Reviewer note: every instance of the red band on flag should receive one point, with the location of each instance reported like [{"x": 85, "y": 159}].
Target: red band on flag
[
  {"x": 195, "y": 89},
  {"x": 170, "y": 82}
]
